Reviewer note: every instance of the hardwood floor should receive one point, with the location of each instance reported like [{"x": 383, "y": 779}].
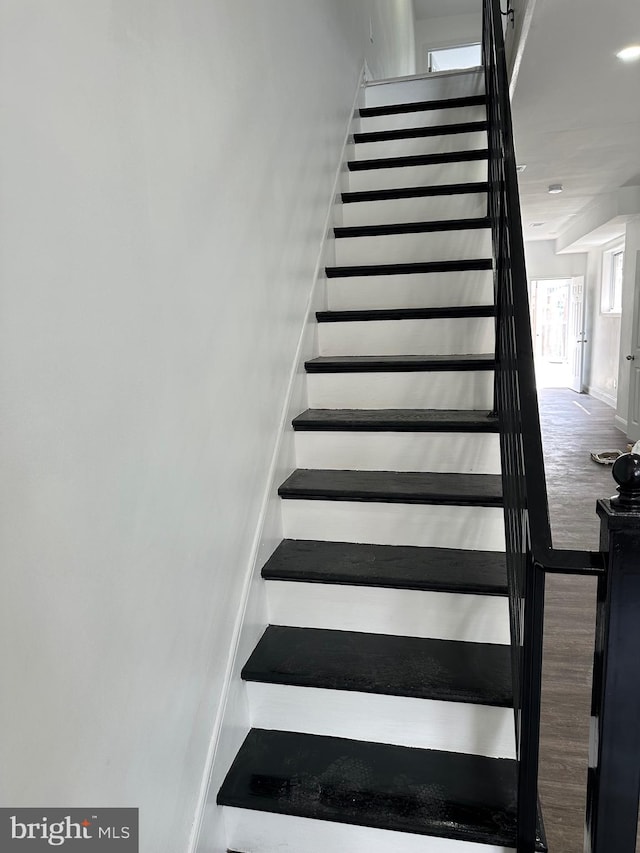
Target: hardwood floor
[{"x": 572, "y": 426}]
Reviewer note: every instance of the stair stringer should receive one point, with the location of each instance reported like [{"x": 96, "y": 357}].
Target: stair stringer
[{"x": 232, "y": 722}]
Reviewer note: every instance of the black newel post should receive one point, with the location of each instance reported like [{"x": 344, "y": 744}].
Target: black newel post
[{"x": 613, "y": 786}]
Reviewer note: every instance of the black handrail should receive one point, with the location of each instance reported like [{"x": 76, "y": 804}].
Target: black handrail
[{"x": 530, "y": 552}]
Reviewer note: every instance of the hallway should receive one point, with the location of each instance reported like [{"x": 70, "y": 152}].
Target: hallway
[{"x": 572, "y": 426}]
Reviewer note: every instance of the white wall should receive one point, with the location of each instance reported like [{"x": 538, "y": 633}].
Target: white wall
[
  {"x": 446, "y": 31},
  {"x": 542, "y": 262},
  {"x": 166, "y": 170},
  {"x": 516, "y": 32},
  {"x": 393, "y": 51}
]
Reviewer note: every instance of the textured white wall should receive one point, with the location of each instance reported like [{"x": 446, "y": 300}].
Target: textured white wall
[{"x": 166, "y": 170}]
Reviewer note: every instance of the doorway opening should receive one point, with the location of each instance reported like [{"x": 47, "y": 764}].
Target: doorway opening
[{"x": 557, "y": 326}]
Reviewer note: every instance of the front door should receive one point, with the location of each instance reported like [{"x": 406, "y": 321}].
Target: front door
[{"x": 576, "y": 333}]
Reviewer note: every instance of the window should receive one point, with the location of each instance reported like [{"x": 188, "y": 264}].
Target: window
[
  {"x": 612, "y": 269},
  {"x": 453, "y": 58}
]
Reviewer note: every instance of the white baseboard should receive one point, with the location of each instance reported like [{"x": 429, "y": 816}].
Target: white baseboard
[
  {"x": 232, "y": 722},
  {"x": 609, "y": 399},
  {"x": 621, "y": 423}
]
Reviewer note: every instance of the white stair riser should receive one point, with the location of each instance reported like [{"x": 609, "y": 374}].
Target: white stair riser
[
  {"x": 429, "y": 209},
  {"x": 434, "y": 174},
  {"x": 442, "y": 336},
  {"x": 468, "y": 389},
  {"x": 466, "y": 244},
  {"x": 399, "y": 720},
  {"x": 262, "y": 832},
  {"x": 403, "y": 612},
  {"x": 465, "y": 527},
  {"x": 431, "y": 290},
  {"x": 423, "y": 118},
  {"x": 428, "y": 88},
  {"x": 440, "y": 452},
  {"x": 421, "y": 145}
]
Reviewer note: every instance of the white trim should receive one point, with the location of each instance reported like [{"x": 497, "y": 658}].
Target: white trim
[
  {"x": 427, "y": 75},
  {"x": 428, "y": 336},
  {"x": 609, "y": 399},
  {"x": 408, "y": 248},
  {"x": 621, "y": 423},
  {"x": 437, "y": 389},
  {"x": 471, "y": 528},
  {"x": 463, "y": 727},
  {"x": 282, "y": 833},
  {"x": 465, "y": 171},
  {"x": 460, "y": 616},
  {"x": 607, "y": 279},
  {"x": 306, "y": 339},
  {"x": 450, "y": 452},
  {"x": 408, "y": 291}
]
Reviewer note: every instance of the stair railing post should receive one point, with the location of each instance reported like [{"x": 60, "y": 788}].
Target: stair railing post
[{"x": 613, "y": 786}]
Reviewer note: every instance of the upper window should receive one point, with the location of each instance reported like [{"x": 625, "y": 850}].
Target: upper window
[
  {"x": 453, "y": 58},
  {"x": 612, "y": 269}
]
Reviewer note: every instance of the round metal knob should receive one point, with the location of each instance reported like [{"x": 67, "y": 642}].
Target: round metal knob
[
  {"x": 626, "y": 473},
  {"x": 631, "y": 358}
]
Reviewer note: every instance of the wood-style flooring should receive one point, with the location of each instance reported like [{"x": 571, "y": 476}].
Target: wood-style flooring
[{"x": 572, "y": 426}]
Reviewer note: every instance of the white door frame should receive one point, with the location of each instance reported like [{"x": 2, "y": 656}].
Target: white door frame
[
  {"x": 576, "y": 332},
  {"x": 633, "y": 361},
  {"x": 534, "y": 308}
]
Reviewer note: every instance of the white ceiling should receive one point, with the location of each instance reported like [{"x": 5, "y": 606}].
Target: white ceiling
[
  {"x": 440, "y": 8},
  {"x": 576, "y": 109}
]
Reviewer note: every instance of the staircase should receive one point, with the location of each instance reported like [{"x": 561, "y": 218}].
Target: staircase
[{"x": 381, "y": 692}]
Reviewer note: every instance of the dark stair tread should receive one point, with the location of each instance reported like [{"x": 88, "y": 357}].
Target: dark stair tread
[
  {"x": 446, "y": 794},
  {"x": 415, "y": 192},
  {"x": 419, "y": 132},
  {"x": 398, "y": 363},
  {"x": 390, "y": 566},
  {"x": 405, "y": 313},
  {"x": 411, "y": 160},
  {"x": 393, "y": 487},
  {"x": 426, "y": 227},
  {"x": 443, "y": 670},
  {"x": 411, "y": 268},
  {"x": 419, "y": 106},
  {"x": 397, "y": 420}
]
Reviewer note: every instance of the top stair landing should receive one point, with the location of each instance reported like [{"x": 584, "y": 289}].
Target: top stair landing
[{"x": 426, "y": 87}]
